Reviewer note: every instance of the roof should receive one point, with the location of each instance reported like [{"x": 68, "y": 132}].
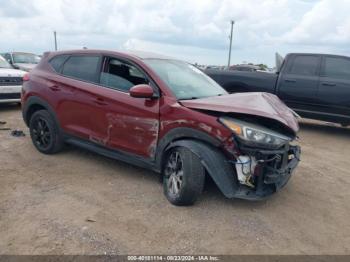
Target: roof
[
  {"x": 147, "y": 55},
  {"x": 24, "y": 53},
  {"x": 317, "y": 54},
  {"x": 137, "y": 54}
]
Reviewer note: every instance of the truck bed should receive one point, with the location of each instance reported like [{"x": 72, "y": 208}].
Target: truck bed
[{"x": 239, "y": 81}]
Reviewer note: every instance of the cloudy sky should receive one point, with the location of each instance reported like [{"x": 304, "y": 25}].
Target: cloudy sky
[{"x": 194, "y": 30}]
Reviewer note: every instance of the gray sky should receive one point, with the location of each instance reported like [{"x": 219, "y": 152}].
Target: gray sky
[{"x": 194, "y": 30}]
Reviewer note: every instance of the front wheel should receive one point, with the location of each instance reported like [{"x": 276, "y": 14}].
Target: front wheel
[{"x": 184, "y": 177}]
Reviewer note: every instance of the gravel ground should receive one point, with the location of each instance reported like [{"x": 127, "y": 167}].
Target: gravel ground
[{"x": 77, "y": 202}]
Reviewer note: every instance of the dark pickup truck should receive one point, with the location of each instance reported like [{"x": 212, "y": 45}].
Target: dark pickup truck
[{"x": 316, "y": 86}]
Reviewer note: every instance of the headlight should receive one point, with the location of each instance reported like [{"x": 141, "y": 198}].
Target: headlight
[{"x": 254, "y": 134}]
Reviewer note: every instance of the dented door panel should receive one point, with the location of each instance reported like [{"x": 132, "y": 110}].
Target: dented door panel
[{"x": 126, "y": 123}]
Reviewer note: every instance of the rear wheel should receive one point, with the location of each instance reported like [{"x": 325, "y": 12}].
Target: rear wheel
[
  {"x": 184, "y": 176},
  {"x": 45, "y": 133},
  {"x": 344, "y": 124}
]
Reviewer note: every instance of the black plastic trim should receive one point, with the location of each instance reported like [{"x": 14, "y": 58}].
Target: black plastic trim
[
  {"x": 32, "y": 101},
  {"x": 182, "y": 133},
  {"x": 111, "y": 153},
  {"x": 215, "y": 163}
]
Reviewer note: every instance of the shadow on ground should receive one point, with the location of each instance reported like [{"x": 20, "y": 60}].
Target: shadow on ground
[{"x": 325, "y": 128}]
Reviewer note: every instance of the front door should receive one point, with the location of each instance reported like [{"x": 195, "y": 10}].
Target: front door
[{"x": 121, "y": 121}]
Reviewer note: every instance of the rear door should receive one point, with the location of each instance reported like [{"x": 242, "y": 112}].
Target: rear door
[
  {"x": 77, "y": 86},
  {"x": 334, "y": 86},
  {"x": 120, "y": 121},
  {"x": 298, "y": 82}
]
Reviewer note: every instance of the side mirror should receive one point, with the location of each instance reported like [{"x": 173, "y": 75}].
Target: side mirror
[{"x": 141, "y": 91}]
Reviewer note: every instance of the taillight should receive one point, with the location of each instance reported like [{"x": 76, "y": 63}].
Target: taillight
[{"x": 26, "y": 77}]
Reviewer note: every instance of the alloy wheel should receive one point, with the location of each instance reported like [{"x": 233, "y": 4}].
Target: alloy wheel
[
  {"x": 41, "y": 133},
  {"x": 174, "y": 173}
]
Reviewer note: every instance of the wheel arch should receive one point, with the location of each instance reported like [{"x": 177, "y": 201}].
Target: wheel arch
[
  {"x": 34, "y": 104},
  {"x": 182, "y": 133},
  {"x": 207, "y": 150}
]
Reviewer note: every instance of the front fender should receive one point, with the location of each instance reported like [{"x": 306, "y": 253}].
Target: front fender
[{"x": 215, "y": 163}]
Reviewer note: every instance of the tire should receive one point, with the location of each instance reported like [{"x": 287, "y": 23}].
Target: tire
[
  {"x": 183, "y": 171},
  {"x": 344, "y": 124},
  {"x": 44, "y": 133}
]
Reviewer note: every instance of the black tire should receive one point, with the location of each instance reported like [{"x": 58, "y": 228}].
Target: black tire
[
  {"x": 44, "y": 133},
  {"x": 193, "y": 177},
  {"x": 344, "y": 124}
]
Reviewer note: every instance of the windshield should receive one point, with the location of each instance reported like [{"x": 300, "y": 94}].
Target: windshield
[
  {"x": 26, "y": 58},
  {"x": 186, "y": 81},
  {"x": 4, "y": 63}
]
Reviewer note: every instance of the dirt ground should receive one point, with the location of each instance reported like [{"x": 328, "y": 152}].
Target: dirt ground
[{"x": 77, "y": 202}]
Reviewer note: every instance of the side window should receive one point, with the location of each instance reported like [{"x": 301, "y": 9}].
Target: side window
[
  {"x": 82, "y": 67},
  {"x": 305, "y": 65},
  {"x": 337, "y": 67},
  {"x": 121, "y": 76},
  {"x": 57, "y": 62},
  {"x": 8, "y": 57}
]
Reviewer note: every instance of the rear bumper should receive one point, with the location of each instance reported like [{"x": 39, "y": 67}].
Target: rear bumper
[{"x": 273, "y": 175}]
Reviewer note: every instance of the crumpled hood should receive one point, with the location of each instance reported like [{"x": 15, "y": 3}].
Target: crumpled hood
[{"x": 259, "y": 104}]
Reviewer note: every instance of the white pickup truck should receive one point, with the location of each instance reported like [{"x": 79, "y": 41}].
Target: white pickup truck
[{"x": 10, "y": 82}]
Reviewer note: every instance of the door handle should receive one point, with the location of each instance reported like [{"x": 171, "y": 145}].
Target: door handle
[
  {"x": 328, "y": 84},
  {"x": 55, "y": 88},
  {"x": 288, "y": 80},
  {"x": 100, "y": 101}
]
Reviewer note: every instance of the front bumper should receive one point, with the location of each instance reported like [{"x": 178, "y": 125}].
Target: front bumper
[
  {"x": 9, "y": 94},
  {"x": 275, "y": 168}
]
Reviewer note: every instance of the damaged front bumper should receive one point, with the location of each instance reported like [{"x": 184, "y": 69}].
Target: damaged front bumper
[{"x": 272, "y": 170}]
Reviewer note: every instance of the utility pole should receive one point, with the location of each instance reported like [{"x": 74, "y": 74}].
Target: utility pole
[
  {"x": 54, "y": 34},
  {"x": 229, "y": 53}
]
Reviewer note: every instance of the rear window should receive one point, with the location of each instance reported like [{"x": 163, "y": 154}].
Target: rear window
[
  {"x": 337, "y": 67},
  {"x": 82, "y": 67},
  {"x": 305, "y": 65},
  {"x": 57, "y": 62}
]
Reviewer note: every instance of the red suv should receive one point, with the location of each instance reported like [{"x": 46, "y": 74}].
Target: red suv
[{"x": 165, "y": 115}]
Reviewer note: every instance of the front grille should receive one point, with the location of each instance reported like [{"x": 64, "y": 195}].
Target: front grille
[
  {"x": 10, "y": 81},
  {"x": 10, "y": 96}
]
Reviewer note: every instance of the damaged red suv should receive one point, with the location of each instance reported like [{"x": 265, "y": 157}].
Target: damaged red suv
[{"x": 165, "y": 115}]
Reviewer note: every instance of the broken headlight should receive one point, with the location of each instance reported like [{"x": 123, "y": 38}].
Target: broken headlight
[{"x": 255, "y": 135}]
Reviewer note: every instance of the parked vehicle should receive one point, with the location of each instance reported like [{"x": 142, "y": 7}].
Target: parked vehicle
[
  {"x": 165, "y": 115},
  {"x": 23, "y": 61},
  {"x": 10, "y": 82},
  {"x": 246, "y": 68},
  {"x": 316, "y": 86}
]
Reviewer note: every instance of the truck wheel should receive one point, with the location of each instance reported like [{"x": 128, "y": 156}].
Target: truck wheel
[
  {"x": 45, "y": 133},
  {"x": 184, "y": 176},
  {"x": 344, "y": 124}
]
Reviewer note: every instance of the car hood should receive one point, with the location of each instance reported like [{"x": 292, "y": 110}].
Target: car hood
[
  {"x": 24, "y": 66},
  {"x": 258, "y": 104},
  {"x": 9, "y": 72}
]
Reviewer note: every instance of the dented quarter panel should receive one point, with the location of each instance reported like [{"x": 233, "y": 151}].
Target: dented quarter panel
[{"x": 173, "y": 115}]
